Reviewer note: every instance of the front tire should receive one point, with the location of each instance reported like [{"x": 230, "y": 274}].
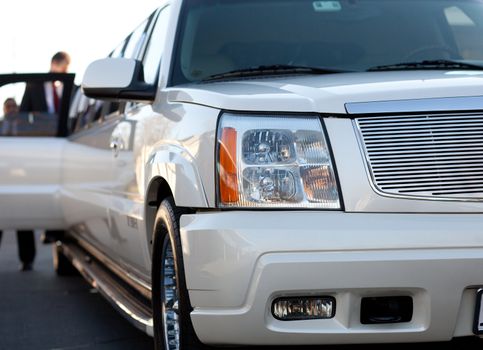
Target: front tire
[{"x": 173, "y": 329}]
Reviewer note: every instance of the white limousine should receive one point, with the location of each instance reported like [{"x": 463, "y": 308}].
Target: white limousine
[{"x": 268, "y": 172}]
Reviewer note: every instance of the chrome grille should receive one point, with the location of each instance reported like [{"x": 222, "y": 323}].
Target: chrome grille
[{"x": 427, "y": 156}]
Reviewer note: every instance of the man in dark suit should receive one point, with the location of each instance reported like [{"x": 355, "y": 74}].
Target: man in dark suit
[{"x": 46, "y": 97}]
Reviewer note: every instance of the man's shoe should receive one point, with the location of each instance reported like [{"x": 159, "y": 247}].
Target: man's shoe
[{"x": 26, "y": 267}]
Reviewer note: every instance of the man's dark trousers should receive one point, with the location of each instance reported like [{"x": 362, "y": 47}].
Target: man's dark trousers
[{"x": 26, "y": 246}]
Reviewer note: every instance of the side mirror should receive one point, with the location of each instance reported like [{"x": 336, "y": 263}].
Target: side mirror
[{"x": 117, "y": 79}]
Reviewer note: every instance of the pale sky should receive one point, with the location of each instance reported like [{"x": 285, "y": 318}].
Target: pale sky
[{"x": 31, "y": 31}]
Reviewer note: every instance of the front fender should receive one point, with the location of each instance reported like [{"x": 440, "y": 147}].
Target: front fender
[{"x": 178, "y": 168}]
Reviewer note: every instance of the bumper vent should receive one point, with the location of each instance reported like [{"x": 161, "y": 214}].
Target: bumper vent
[{"x": 425, "y": 156}]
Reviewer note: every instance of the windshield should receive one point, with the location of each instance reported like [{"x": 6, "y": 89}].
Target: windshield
[{"x": 219, "y": 36}]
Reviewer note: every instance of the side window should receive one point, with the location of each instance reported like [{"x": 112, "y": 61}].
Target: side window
[
  {"x": 118, "y": 51},
  {"x": 85, "y": 112},
  {"x": 136, "y": 41},
  {"x": 74, "y": 112},
  {"x": 155, "y": 48},
  {"x": 31, "y": 109}
]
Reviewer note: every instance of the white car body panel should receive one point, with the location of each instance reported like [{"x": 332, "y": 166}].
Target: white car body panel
[
  {"x": 30, "y": 177},
  {"x": 237, "y": 264},
  {"x": 88, "y": 179},
  {"x": 184, "y": 155},
  {"x": 329, "y": 93}
]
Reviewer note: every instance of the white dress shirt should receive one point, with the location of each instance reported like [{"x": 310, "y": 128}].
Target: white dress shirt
[{"x": 49, "y": 95}]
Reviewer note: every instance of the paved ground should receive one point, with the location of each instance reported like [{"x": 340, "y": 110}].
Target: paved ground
[{"x": 41, "y": 311}]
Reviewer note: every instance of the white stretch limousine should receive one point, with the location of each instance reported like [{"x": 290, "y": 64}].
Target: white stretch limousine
[{"x": 269, "y": 172}]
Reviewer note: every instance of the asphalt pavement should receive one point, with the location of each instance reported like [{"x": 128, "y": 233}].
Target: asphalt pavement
[{"x": 39, "y": 310}]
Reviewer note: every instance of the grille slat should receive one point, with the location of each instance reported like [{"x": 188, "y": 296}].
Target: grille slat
[
  {"x": 421, "y": 126},
  {"x": 446, "y": 155},
  {"x": 428, "y": 181},
  {"x": 403, "y": 177},
  {"x": 398, "y": 119},
  {"x": 436, "y": 185},
  {"x": 423, "y": 136},
  {"x": 420, "y": 131},
  {"x": 425, "y": 140},
  {"x": 426, "y": 172},
  {"x": 411, "y": 167},
  {"x": 421, "y": 146},
  {"x": 427, "y": 156},
  {"x": 455, "y": 159},
  {"x": 397, "y": 151}
]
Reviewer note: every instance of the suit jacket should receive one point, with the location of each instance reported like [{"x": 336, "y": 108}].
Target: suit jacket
[{"x": 34, "y": 99}]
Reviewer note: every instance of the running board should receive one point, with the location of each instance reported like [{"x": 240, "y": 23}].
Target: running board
[{"x": 137, "y": 312}]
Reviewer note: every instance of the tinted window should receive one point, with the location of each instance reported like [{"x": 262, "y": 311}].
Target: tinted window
[
  {"x": 155, "y": 48},
  {"x": 218, "y": 36},
  {"x": 118, "y": 51},
  {"x": 85, "y": 111},
  {"x": 466, "y": 28},
  {"x": 136, "y": 41}
]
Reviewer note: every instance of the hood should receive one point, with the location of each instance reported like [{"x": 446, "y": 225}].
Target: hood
[{"x": 328, "y": 93}]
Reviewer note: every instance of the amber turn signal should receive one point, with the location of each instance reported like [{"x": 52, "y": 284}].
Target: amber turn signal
[{"x": 227, "y": 166}]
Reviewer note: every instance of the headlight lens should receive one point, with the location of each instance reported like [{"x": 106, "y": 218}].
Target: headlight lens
[{"x": 274, "y": 161}]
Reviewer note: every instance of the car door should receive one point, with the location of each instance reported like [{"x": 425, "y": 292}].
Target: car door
[
  {"x": 32, "y": 140},
  {"x": 87, "y": 173}
]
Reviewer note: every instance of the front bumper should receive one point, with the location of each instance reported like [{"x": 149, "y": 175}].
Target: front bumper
[{"x": 238, "y": 262}]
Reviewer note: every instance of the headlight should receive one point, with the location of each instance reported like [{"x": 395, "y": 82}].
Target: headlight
[{"x": 274, "y": 161}]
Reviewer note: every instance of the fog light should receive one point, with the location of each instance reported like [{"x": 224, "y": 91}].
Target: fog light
[{"x": 303, "y": 308}]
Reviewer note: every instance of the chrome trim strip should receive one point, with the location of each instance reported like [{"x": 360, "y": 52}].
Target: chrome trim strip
[
  {"x": 372, "y": 180},
  {"x": 447, "y": 104}
]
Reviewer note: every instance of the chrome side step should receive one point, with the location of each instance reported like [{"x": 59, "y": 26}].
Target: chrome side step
[
  {"x": 134, "y": 310},
  {"x": 141, "y": 286}
]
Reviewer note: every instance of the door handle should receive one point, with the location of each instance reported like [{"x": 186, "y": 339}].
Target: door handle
[{"x": 116, "y": 147}]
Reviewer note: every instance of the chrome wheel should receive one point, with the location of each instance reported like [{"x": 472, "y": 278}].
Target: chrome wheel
[{"x": 170, "y": 295}]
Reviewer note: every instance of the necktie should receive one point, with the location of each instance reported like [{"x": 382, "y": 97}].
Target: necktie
[{"x": 56, "y": 98}]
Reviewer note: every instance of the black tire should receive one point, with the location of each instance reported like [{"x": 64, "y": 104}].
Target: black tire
[
  {"x": 166, "y": 235},
  {"x": 62, "y": 265}
]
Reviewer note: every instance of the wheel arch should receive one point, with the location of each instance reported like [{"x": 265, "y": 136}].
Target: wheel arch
[
  {"x": 171, "y": 171},
  {"x": 158, "y": 190}
]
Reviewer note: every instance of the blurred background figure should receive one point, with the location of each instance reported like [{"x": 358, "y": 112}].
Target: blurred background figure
[
  {"x": 26, "y": 249},
  {"x": 46, "y": 97},
  {"x": 10, "y": 113}
]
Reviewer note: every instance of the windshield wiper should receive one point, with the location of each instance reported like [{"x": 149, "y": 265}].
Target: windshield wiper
[
  {"x": 276, "y": 69},
  {"x": 427, "y": 64}
]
